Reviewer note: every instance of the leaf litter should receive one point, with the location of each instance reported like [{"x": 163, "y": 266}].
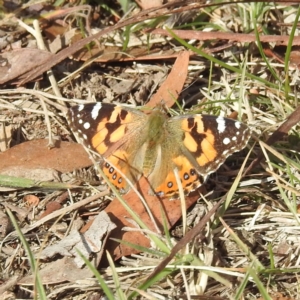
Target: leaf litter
[{"x": 261, "y": 214}]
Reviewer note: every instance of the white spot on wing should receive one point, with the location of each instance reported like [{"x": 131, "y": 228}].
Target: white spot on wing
[
  {"x": 226, "y": 141},
  {"x": 237, "y": 125},
  {"x": 221, "y": 124},
  {"x": 80, "y": 107},
  {"x": 95, "y": 110},
  {"x": 86, "y": 125}
]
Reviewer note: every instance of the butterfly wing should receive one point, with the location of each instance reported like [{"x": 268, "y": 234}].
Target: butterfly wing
[
  {"x": 107, "y": 130},
  {"x": 136, "y": 143},
  {"x": 201, "y": 143}
]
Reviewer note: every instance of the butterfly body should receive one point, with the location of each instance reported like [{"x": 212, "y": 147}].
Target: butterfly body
[{"x": 153, "y": 145}]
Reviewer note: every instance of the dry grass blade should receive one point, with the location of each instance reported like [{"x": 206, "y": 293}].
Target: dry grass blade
[
  {"x": 170, "y": 7},
  {"x": 278, "y": 135},
  {"x": 226, "y": 66}
]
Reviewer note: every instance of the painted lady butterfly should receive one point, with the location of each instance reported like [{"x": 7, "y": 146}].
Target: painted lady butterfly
[{"x": 153, "y": 145}]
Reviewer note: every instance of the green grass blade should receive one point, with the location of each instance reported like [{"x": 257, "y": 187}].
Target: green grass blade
[
  {"x": 34, "y": 267},
  {"x": 288, "y": 54},
  {"x": 221, "y": 63},
  {"x": 120, "y": 293},
  {"x": 108, "y": 292}
]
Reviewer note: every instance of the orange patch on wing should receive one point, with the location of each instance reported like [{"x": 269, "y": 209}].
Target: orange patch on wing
[
  {"x": 184, "y": 125},
  {"x": 98, "y": 139},
  {"x": 184, "y": 169},
  {"x": 115, "y": 182},
  {"x": 102, "y": 132},
  {"x": 117, "y": 111},
  {"x": 115, "y": 114},
  {"x": 207, "y": 147},
  {"x": 190, "y": 142},
  {"x": 118, "y": 156},
  {"x": 101, "y": 125},
  {"x": 165, "y": 189},
  {"x": 180, "y": 160},
  {"x": 117, "y": 134},
  {"x": 189, "y": 180},
  {"x": 112, "y": 174},
  {"x": 197, "y": 122},
  {"x": 200, "y": 126}
]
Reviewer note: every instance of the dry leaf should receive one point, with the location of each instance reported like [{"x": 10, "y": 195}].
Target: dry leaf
[
  {"x": 87, "y": 243},
  {"x": 31, "y": 200},
  {"x": 37, "y": 174},
  {"x": 21, "y": 213},
  {"x": 172, "y": 86},
  {"x": 50, "y": 208},
  {"x": 120, "y": 216},
  {"x": 13, "y": 64},
  {"x": 35, "y": 154},
  {"x": 60, "y": 41},
  {"x": 58, "y": 271}
]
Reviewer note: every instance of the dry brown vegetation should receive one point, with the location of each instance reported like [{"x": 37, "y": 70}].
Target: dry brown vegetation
[{"x": 239, "y": 60}]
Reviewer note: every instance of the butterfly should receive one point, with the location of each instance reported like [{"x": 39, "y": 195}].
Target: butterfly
[{"x": 151, "y": 144}]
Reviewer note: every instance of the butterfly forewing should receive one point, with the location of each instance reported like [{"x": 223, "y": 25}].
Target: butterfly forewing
[
  {"x": 99, "y": 125},
  {"x": 106, "y": 129},
  {"x": 211, "y": 139}
]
